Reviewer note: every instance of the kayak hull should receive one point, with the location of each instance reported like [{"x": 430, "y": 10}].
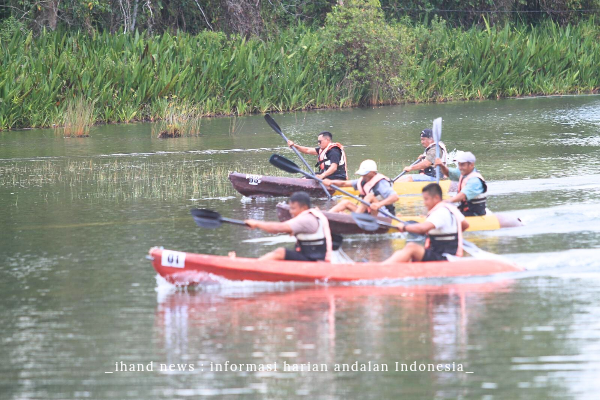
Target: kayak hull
[
  {"x": 189, "y": 268},
  {"x": 252, "y": 185},
  {"x": 343, "y": 224}
]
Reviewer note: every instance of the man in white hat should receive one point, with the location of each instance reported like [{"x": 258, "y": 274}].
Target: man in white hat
[
  {"x": 374, "y": 187},
  {"x": 472, "y": 188}
]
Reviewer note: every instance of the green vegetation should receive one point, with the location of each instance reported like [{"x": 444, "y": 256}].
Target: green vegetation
[
  {"x": 178, "y": 119},
  {"x": 78, "y": 117},
  {"x": 265, "y": 18},
  {"x": 357, "y": 58}
]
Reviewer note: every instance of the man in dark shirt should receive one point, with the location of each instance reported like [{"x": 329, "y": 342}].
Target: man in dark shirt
[{"x": 331, "y": 157}]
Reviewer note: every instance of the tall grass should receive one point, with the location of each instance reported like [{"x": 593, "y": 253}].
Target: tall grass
[
  {"x": 78, "y": 117},
  {"x": 127, "y": 179},
  {"x": 133, "y": 77},
  {"x": 179, "y": 119}
]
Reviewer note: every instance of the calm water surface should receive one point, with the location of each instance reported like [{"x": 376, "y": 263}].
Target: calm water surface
[{"x": 79, "y": 215}]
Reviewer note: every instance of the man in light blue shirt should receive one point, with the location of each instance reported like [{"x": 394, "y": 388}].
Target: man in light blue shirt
[{"x": 472, "y": 188}]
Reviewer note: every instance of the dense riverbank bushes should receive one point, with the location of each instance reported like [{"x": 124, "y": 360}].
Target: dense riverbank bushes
[
  {"x": 357, "y": 58},
  {"x": 252, "y": 18}
]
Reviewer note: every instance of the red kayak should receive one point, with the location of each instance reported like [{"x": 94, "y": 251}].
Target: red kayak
[{"x": 189, "y": 268}]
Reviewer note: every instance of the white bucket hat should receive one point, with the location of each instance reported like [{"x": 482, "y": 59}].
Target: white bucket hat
[{"x": 366, "y": 167}]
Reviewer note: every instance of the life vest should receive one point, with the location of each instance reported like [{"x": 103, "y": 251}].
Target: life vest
[
  {"x": 365, "y": 188},
  {"x": 476, "y": 206},
  {"x": 316, "y": 246},
  {"x": 430, "y": 171},
  {"x": 322, "y": 159},
  {"x": 450, "y": 243}
]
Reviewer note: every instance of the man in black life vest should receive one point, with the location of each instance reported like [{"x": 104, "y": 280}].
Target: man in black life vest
[
  {"x": 308, "y": 225},
  {"x": 374, "y": 187},
  {"x": 444, "y": 226},
  {"x": 425, "y": 166},
  {"x": 472, "y": 188},
  {"x": 331, "y": 157}
]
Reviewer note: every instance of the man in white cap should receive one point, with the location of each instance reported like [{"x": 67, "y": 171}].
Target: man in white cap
[
  {"x": 472, "y": 188},
  {"x": 374, "y": 187}
]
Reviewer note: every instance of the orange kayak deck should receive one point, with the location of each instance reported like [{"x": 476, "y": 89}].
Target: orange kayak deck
[{"x": 188, "y": 268}]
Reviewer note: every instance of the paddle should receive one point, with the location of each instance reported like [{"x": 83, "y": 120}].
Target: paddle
[
  {"x": 368, "y": 222},
  {"x": 211, "y": 219},
  {"x": 401, "y": 174},
  {"x": 277, "y": 129},
  {"x": 289, "y": 166},
  {"x": 437, "y": 136}
]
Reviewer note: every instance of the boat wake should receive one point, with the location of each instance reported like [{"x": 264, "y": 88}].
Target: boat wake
[
  {"x": 574, "y": 262},
  {"x": 567, "y": 218},
  {"x": 210, "y": 283},
  {"x": 580, "y": 182}
]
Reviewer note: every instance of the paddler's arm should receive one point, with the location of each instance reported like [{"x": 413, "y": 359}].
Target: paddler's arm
[
  {"x": 269, "y": 227},
  {"x": 302, "y": 149},
  {"x": 420, "y": 165},
  {"x": 464, "y": 225},
  {"x": 337, "y": 182},
  {"x": 458, "y": 198},
  {"x": 424, "y": 227},
  {"x": 391, "y": 199},
  {"x": 472, "y": 189},
  {"x": 329, "y": 171},
  {"x": 419, "y": 229},
  {"x": 443, "y": 168}
]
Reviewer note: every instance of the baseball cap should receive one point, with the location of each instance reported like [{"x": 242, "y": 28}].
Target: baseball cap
[
  {"x": 465, "y": 156},
  {"x": 428, "y": 133},
  {"x": 366, "y": 167}
]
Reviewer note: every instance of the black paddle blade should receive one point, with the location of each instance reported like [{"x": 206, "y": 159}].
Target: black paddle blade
[
  {"x": 208, "y": 219},
  {"x": 336, "y": 241},
  {"x": 284, "y": 164},
  {"x": 272, "y": 123},
  {"x": 365, "y": 222}
]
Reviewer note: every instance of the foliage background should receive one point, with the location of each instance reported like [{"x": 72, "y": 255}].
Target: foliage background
[
  {"x": 225, "y": 57},
  {"x": 260, "y": 17}
]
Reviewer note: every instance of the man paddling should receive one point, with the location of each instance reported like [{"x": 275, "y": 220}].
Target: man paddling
[
  {"x": 374, "y": 187},
  {"x": 331, "y": 157},
  {"x": 472, "y": 188},
  {"x": 425, "y": 166},
  {"x": 444, "y": 226},
  {"x": 310, "y": 227}
]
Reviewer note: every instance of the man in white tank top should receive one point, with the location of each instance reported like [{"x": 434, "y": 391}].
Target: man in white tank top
[{"x": 444, "y": 226}]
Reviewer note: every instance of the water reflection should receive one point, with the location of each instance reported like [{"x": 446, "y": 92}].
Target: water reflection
[{"x": 329, "y": 325}]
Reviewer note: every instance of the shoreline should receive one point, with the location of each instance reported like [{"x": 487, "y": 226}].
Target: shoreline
[{"x": 595, "y": 92}]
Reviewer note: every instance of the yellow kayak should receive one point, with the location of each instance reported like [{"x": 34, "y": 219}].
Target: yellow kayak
[
  {"x": 344, "y": 224},
  {"x": 403, "y": 188}
]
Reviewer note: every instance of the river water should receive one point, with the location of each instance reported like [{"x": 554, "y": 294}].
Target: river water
[{"x": 78, "y": 296}]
